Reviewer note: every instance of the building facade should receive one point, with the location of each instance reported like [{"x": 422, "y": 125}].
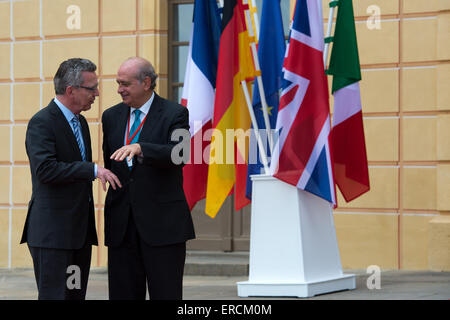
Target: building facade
[{"x": 404, "y": 46}]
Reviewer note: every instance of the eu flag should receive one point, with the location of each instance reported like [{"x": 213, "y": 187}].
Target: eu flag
[{"x": 271, "y": 50}]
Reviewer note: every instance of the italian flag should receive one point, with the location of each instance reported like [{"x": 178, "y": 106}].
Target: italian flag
[{"x": 348, "y": 147}]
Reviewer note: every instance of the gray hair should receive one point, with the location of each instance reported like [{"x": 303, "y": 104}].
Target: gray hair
[
  {"x": 70, "y": 73},
  {"x": 145, "y": 69}
]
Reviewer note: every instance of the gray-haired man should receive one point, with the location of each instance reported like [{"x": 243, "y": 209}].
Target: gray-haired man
[{"x": 60, "y": 224}]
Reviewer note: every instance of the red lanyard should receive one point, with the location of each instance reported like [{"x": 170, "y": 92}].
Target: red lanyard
[{"x": 137, "y": 130}]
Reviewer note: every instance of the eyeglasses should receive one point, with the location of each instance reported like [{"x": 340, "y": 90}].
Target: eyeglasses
[{"x": 89, "y": 88}]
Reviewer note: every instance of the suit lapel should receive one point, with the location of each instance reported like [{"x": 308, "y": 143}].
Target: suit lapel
[
  {"x": 147, "y": 128},
  {"x": 63, "y": 126},
  {"x": 122, "y": 123},
  {"x": 153, "y": 117},
  {"x": 118, "y": 131},
  {"x": 122, "y": 116}
]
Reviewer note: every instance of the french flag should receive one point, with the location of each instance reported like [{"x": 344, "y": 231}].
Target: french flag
[
  {"x": 198, "y": 94},
  {"x": 302, "y": 154}
]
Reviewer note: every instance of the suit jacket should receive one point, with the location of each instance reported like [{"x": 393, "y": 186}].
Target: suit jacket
[
  {"x": 153, "y": 189},
  {"x": 61, "y": 209}
]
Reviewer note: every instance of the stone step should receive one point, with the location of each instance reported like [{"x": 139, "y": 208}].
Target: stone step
[{"x": 214, "y": 263}]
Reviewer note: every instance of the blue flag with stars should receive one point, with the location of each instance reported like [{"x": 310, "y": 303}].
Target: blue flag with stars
[{"x": 271, "y": 50}]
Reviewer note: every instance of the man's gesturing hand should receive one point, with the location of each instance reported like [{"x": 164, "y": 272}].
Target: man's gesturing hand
[
  {"x": 106, "y": 175},
  {"x": 128, "y": 151}
]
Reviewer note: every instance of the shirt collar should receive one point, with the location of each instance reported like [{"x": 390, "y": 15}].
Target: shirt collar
[
  {"x": 67, "y": 113},
  {"x": 146, "y": 106}
]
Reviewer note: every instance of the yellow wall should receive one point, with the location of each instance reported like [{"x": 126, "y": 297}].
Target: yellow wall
[
  {"x": 403, "y": 222},
  {"x": 34, "y": 39}
]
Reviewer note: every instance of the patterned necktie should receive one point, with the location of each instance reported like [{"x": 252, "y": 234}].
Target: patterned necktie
[
  {"x": 135, "y": 126},
  {"x": 77, "y": 132},
  {"x": 133, "y": 129}
]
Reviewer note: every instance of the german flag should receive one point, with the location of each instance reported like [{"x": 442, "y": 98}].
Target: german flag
[{"x": 228, "y": 153}]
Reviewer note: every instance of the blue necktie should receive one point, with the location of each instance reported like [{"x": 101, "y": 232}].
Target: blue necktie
[
  {"x": 135, "y": 126},
  {"x": 77, "y": 132}
]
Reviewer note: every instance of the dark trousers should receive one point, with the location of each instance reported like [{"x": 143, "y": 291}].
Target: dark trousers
[
  {"x": 61, "y": 274},
  {"x": 134, "y": 264}
]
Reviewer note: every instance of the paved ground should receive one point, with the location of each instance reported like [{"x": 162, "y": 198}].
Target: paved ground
[{"x": 19, "y": 284}]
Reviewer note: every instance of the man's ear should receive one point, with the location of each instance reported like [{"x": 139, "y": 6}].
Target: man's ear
[
  {"x": 147, "y": 83},
  {"x": 69, "y": 90}
]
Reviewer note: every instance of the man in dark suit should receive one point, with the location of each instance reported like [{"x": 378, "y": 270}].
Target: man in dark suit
[
  {"x": 60, "y": 224},
  {"x": 147, "y": 221}
]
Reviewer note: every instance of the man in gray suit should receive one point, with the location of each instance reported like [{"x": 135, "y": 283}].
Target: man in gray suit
[{"x": 60, "y": 224}]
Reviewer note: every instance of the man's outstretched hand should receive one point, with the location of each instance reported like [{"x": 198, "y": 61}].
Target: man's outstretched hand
[
  {"x": 128, "y": 151},
  {"x": 106, "y": 175}
]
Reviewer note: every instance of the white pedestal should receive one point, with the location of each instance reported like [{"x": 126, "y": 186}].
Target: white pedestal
[{"x": 293, "y": 245}]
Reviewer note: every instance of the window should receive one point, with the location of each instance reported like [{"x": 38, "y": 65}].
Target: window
[{"x": 180, "y": 27}]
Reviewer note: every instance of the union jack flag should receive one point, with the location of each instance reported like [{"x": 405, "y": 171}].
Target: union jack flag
[{"x": 302, "y": 155}]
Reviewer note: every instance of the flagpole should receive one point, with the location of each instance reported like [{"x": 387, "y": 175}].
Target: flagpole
[
  {"x": 329, "y": 27},
  {"x": 255, "y": 127},
  {"x": 255, "y": 17},
  {"x": 258, "y": 77}
]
